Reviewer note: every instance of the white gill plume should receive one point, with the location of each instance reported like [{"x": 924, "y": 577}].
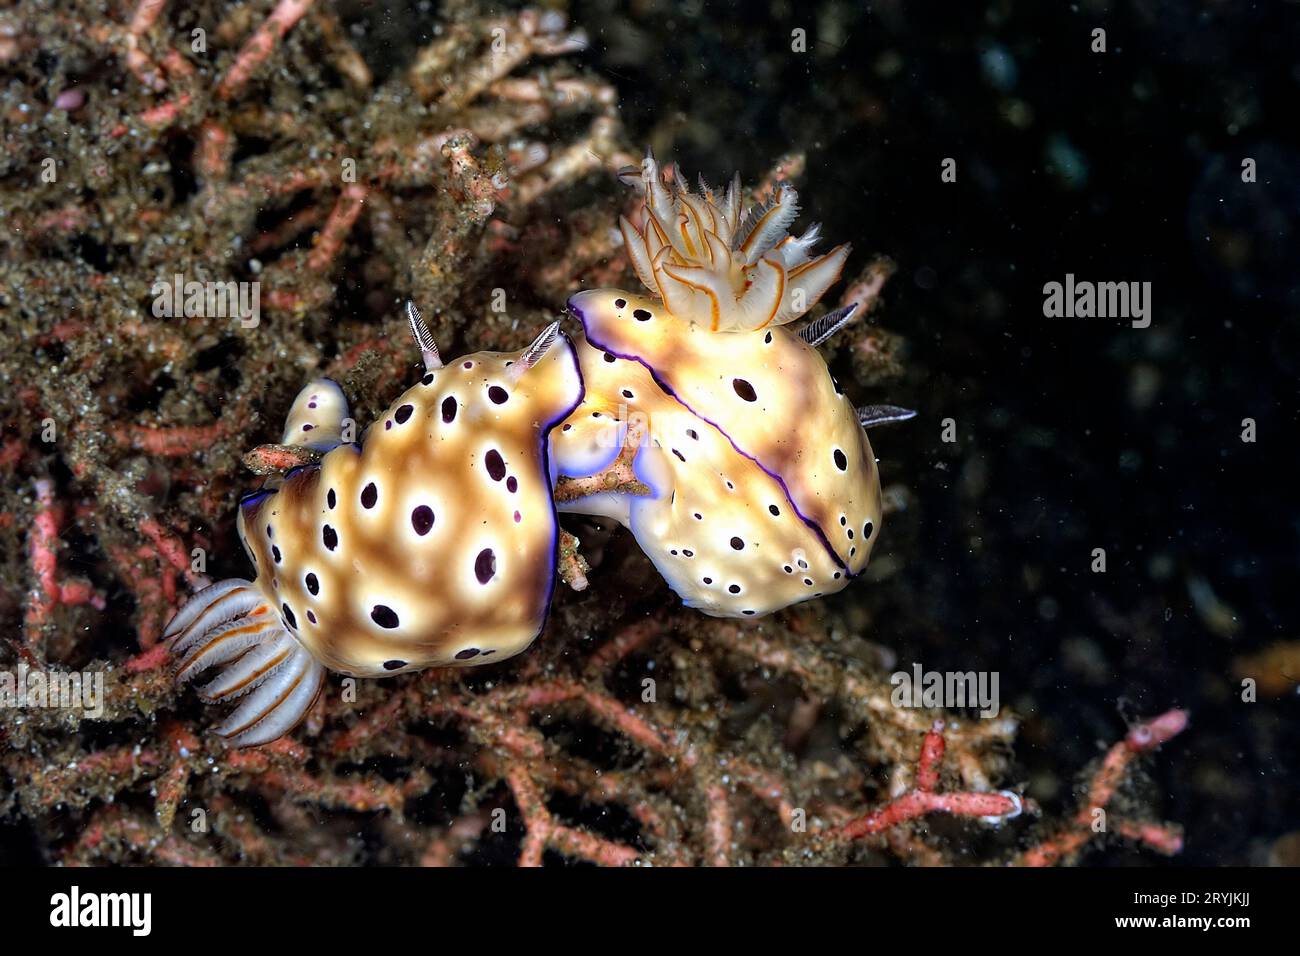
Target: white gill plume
[{"x": 719, "y": 269}]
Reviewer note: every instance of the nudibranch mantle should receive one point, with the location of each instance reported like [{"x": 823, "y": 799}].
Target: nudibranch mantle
[
  {"x": 773, "y": 398},
  {"x": 764, "y": 485},
  {"x": 718, "y": 527},
  {"x": 432, "y": 542}
]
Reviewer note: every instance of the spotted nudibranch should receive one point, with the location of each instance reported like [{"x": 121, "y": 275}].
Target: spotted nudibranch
[
  {"x": 764, "y": 487},
  {"x": 431, "y": 542}
]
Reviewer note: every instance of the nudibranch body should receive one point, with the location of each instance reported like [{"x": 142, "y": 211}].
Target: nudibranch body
[
  {"x": 764, "y": 487},
  {"x": 432, "y": 542}
]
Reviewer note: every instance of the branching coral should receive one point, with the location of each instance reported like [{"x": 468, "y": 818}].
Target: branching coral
[
  {"x": 622, "y": 737},
  {"x": 272, "y": 158},
  {"x": 686, "y": 781}
]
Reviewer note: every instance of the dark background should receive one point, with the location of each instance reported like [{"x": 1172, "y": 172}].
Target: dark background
[{"x": 1073, "y": 433}]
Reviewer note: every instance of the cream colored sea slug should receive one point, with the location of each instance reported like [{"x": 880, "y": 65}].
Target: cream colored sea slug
[
  {"x": 764, "y": 487},
  {"x": 431, "y": 542}
]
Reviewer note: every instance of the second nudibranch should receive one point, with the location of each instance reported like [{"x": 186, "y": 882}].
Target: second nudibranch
[
  {"x": 432, "y": 542},
  {"x": 764, "y": 487}
]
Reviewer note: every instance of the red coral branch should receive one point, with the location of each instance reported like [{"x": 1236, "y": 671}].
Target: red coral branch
[
  {"x": 137, "y": 61},
  {"x": 261, "y": 45},
  {"x": 213, "y": 152},
  {"x": 923, "y": 800},
  {"x": 337, "y": 226},
  {"x": 1142, "y": 738},
  {"x": 49, "y": 592},
  {"x": 927, "y": 767},
  {"x": 175, "y": 441},
  {"x": 170, "y": 548},
  {"x": 542, "y": 830},
  {"x": 41, "y": 549}
]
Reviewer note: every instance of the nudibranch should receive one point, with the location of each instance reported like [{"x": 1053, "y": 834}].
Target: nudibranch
[
  {"x": 764, "y": 488},
  {"x": 431, "y": 542}
]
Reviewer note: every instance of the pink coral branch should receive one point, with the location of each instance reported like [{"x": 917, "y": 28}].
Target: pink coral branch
[
  {"x": 923, "y": 800},
  {"x": 49, "y": 591},
  {"x": 172, "y": 442},
  {"x": 41, "y": 551},
  {"x": 337, "y": 226},
  {"x": 1141, "y": 738},
  {"x": 918, "y": 803},
  {"x": 170, "y": 549},
  {"x": 927, "y": 768},
  {"x": 261, "y": 45},
  {"x": 212, "y": 155},
  {"x": 165, "y": 114},
  {"x": 542, "y": 830},
  {"x": 137, "y": 61}
]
